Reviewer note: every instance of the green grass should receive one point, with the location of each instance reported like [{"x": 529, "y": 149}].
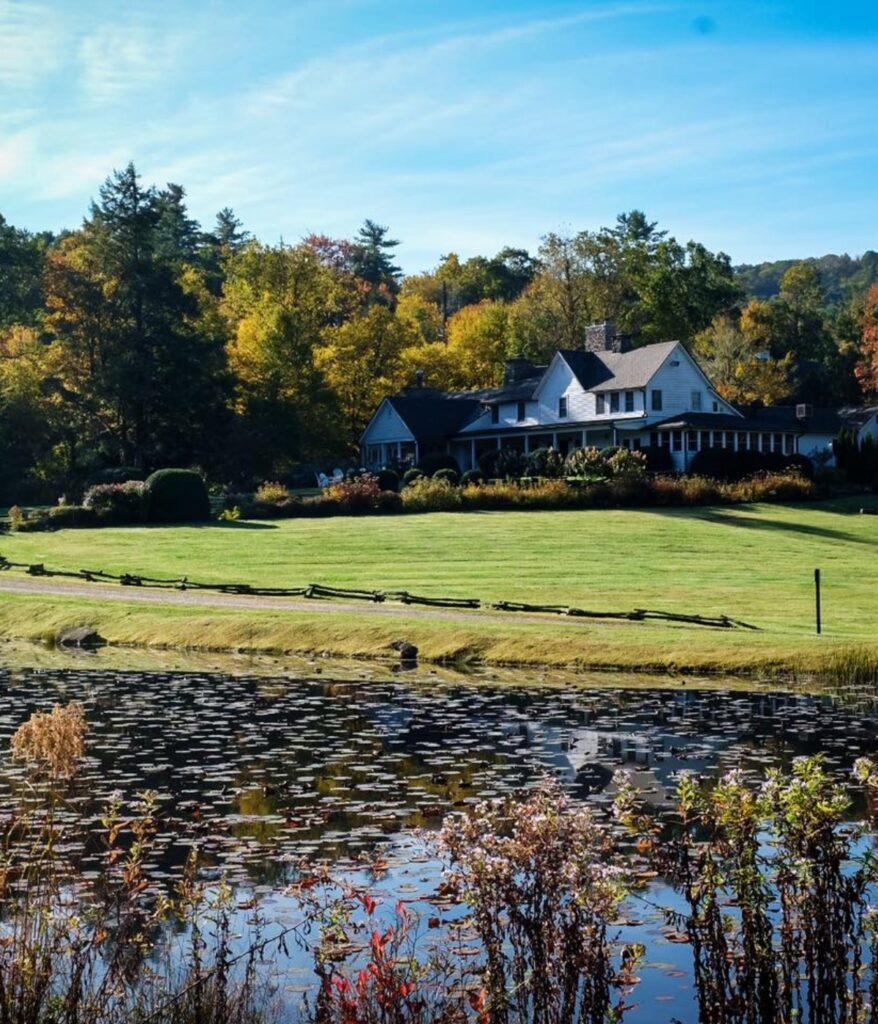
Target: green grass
[{"x": 751, "y": 562}]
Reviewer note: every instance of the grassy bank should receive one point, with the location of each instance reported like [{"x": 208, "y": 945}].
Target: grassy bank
[{"x": 751, "y": 562}]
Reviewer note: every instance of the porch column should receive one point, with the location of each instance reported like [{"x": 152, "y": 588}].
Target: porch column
[
  {"x": 584, "y": 438},
  {"x": 527, "y": 444},
  {"x": 555, "y": 440},
  {"x": 399, "y": 451},
  {"x": 472, "y": 454},
  {"x": 499, "y": 443}
]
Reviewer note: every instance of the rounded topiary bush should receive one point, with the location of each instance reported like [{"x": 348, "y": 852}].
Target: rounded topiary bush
[
  {"x": 176, "y": 496},
  {"x": 388, "y": 480},
  {"x": 451, "y": 475},
  {"x": 430, "y": 464},
  {"x": 472, "y": 476},
  {"x": 411, "y": 475}
]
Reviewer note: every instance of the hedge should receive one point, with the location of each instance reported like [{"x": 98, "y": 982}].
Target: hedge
[{"x": 176, "y": 496}]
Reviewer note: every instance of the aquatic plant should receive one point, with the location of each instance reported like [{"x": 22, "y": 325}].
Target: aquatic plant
[
  {"x": 53, "y": 740},
  {"x": 777, "y": 892},
  {"x": 540, "y": 879}
]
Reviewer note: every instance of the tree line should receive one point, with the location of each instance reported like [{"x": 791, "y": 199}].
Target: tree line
[{"x": 144, "y": 340}]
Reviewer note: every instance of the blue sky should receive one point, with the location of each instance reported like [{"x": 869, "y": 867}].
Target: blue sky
[{"x": 750, "y": 125}]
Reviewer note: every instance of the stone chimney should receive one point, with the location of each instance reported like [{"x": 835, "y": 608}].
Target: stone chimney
[
  {"x": 518, "y": 369},
  {"x": 602, "y": 337}
]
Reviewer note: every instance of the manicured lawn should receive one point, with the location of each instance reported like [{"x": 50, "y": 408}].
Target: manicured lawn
[{"x": 751, "y": 562}]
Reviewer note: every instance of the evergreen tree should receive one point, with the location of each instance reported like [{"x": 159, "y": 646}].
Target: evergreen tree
[{"x": 372, "y": 262}]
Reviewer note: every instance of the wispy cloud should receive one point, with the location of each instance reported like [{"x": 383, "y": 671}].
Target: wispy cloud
[{"x": 32, "y": 43}]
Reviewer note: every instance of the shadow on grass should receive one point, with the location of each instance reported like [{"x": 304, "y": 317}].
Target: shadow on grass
[
  {"x": 223, "y": 524},
  {"x": 745, "y": 518}
]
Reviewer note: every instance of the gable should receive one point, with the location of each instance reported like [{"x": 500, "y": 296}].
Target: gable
[{"x": 386, "y": 425}]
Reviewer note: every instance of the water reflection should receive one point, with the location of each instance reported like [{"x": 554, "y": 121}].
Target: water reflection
[{"x": 260, "y": 771}]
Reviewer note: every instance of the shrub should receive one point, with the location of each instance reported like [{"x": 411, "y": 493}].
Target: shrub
[
  {"x": 388, "y": 480},
  {"x": 426, "y": 495},
  {"x": 789, "y": 486},
  {"x": 271, "y": 493},
  {"x": 116, "y": 503},
  {"x": 586, "y": 462},
  {"x": 411, "y": 475},
  {"x": 545, "y": 462},
  {"x": 71, "y": 515},
  {"x": 504, "y": 464},
  {"x": 472, "y": 476},
  {"x": 389, "y": 502},
  {"x": 430, "y": 464},
  {"x": 176, "y": 496},
  {"x": 624, "y": 463},
  {"x": 447, "y": 474},
  {"x": 608, "y": 452},
  {"x": 357, "y": 496},
  {"x": 507, "y": 494}
]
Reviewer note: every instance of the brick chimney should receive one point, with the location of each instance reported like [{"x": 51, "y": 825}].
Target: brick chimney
[{"x": 602, "y": 337}]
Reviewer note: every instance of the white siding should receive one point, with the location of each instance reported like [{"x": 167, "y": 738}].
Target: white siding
[
  {"x": 559, "y": 382},
  {"x": 386, "y": 425},
  {"x": 677, "y": 384}
]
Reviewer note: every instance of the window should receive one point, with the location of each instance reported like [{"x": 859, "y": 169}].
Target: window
[
  {"x": 696, "y": 401},
  {"x": 629, "y": 401},
  {"x": 766, "y": 443},
  {"x": 692, "y": 441},
  {"x": 614, "y": 401},
  {"x": 715, "y": 405},
  {"x": 742, "y": 442},
  {"x": 495, "y": 413},
  {"x": 778, "y": 443},
  {"x": 676, "y": 439},
  {"x": 789, "y": 444},
  {"x": 562, "y": 407},
  {"x": 522, "y": 411},
  {"x": 656, "y": 400},
  {"x": 705, "y": 439},
  {"x": 599, "y": 405}
]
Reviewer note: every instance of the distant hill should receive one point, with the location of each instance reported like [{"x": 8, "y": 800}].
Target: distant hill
[{"x": 842, "y": 276}]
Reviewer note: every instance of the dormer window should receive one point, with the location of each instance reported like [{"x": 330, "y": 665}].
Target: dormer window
[
  {"x": 599, "y": 405},
  {"x": 614, "y": 401},
  {"x": 696, "y": 401},
  {"x": 629, "y": 401},
  {"x": 562, "y": 407},
  {"x": 522, "y": 411}
]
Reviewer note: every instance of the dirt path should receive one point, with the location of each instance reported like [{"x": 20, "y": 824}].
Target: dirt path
[{"x": 200, "y": 599}]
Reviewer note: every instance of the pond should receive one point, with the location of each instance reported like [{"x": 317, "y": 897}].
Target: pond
[{"x": 260, "y": 769}]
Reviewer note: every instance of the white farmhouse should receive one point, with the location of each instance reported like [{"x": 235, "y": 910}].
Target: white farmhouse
[{"x": 604, "y": 394}]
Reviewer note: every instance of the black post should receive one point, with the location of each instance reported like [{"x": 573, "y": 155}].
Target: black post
[{"x": 817, "y": 597}]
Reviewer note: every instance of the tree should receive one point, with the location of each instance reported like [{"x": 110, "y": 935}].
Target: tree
[
  {"x": 739, "y": 371},
  {"x": 362, "y": 361},
  {"x": 22, "y": 257},
  {"x": 177, "y": 235},
  {"x": 372, "y": 262},
  {"x": 278, "y": 302},
  {"x": 133, "y": 360},
  {"x": 867, "y": 368}
]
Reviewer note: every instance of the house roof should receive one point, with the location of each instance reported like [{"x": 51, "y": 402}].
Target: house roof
[
  {"x": 780, "y": 418},
  {"x": 435, "y": 416},
  {"x": 616, "y": 371}
]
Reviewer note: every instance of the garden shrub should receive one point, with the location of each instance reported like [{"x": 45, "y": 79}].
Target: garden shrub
[
  {"x": 447, "y": 474},
  {"x": 586, "y": 463},
  {"x": 388, "y": 502},
  {"x": 388, "y": 480},
  {"x": 626, "y": 463},
  {"x": 116, "y": 503},
  {"x": 429, "y": 465},
  {"x": 271, "y": 493},
  {"x": 356, "y": 496},
  {"x": 788, "y": 486},
  {"x": 472, "y": 476},
  {"x": 608, "y": 452},
  {"x": 658, "y": 459},
  {"x": 429, "y": 495},
  {"x": 411, "y": 475},
  {"x": 176, "y": 496},
  {"x": 545, "y": 462},
  {"x": 503, "y": 464},
  {"x": 71, "y": 515}
]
